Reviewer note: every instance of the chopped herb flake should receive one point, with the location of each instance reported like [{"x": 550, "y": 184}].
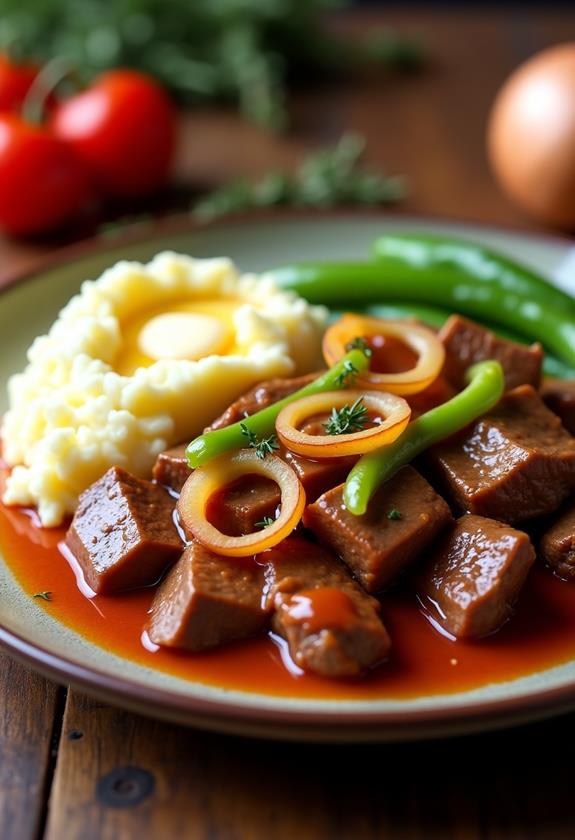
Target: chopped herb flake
[
  {"x": 359, "y": 343},
  {"x": 349, "y": 371},
  {"x": 45, "y": 596},
  {"x": 394, "y": 514},
  {"x": 265, "y": 522}
]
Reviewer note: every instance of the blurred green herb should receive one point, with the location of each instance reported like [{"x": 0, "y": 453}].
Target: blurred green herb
[
  {"x": 44, "y": 596},
  {"x": 327, "y": 178},
  {"x": 245, "y": 51}
]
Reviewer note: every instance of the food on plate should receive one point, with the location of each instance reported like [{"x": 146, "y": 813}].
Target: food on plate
[
  {"x": 515, "y": 462},
  {"x": 538, "y": 102},
  {"x": 557, "y": 545},
  {"x": 123, "y": 533},
  {"x": 414, "y": 465},
  {"x": 474, "y": 577},
  {"x": 90, "y": 398}
]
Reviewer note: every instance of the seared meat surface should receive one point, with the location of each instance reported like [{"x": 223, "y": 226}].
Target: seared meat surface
[
  {"x": 557, "y": 545},
  {"x": 513, "y": 464},
  {"x": 331, "y": 625},
  {"x": 208, "y": 600},
  {"x": 123, "y": 534},
  {"x": 559, "y": 396},
  {"x": 402, "y": 520},
  {"x": 467, "y": 343},
  {"x": 475, "y": 575}
]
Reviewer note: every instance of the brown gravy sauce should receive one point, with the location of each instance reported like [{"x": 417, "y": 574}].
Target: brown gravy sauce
[{"x": 540, "y": 635}]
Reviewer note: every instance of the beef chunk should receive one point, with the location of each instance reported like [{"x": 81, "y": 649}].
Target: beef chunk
[
  {"x": 318, "y": 476},
  {"x": 171, "y": 468},
  {"x": 402, "y": 519},
  {"x": 557, "y": 545},
  {"x": 475, "y": 576},
  {"x": 240, "y": 506},
  {"x": 559, "y": 396},
  {"x": 331, "y": 625},
  {"x": 262, "y": 395},
  {"x": 123, "y": 534},
  {"x": 207, "y": 600},
  {"x": 515, "y": 463},
  {"x": 466, "y": 342}
]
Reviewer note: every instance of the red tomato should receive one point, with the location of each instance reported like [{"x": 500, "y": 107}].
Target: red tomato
[
  {"x": 15, "y": 82},
  {"x": 123, "y": 128},
  {"x": 42, "y": 182}
]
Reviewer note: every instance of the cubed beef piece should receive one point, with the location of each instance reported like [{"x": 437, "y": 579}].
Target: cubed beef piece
[
  {"x": 323, "y": 474},
  {"x": 402, "y": 519},
  {"x": 208, "y": 600},
  {"x": 262, "y": 395},
  {"x": 557, "y": 545},
  {"x": 240, "y": 507},
  {"x": 559, "y": 396},
  {"x": 171, "y": 468},
  {"x": 319, "y": 476},
  {"x": 514, "y": 463},
  {"x": 123, "y": 533},
  {"x": 466, "y": 342},
  {"x": 475, "y": 575},
  {"x": 435, "y": 394},
  {"x": 331, "y": 625}
]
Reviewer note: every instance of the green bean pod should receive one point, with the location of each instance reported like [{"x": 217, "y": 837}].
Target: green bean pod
[
  {"x": 211, "y": 444},
  {"x": 428, "y": 257},
  {"x": 485, "y": 388},
  {"x": 490, "y": 300}
]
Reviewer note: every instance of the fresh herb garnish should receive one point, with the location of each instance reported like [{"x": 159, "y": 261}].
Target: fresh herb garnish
[
  {"x": 328, "y": 178},
  {"x": 349, "y": 418},
  {"x": 45, "y": 596},
  {"x": 394, "y": 513},
  {"x": 359, "y": 343},
  {"x": 349, "y": 371},
  {"x": 265, "y": 522},
  {"x": 241, "y": 51},
  {"x": 263, "y": 447}
]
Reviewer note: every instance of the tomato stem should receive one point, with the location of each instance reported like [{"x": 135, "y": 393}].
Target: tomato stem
[{"x": 43, "y": 86}]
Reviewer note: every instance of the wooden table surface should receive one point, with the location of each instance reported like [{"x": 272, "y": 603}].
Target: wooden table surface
[{"x": 72, "y": 768}]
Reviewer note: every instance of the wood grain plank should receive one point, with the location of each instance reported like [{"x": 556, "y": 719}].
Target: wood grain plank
[
  {"x": 200, "y": 785},
  {"x": 29, "y": 706}
]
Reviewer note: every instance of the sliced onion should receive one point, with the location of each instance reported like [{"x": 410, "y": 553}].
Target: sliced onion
[
  {"x": 393, "y": 409},
  {"x": 204, "y": 482},
  {"x": 420, "y": 339}
]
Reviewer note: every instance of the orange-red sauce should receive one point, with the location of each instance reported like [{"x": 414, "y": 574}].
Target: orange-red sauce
[{"x": 541, "y": 634}]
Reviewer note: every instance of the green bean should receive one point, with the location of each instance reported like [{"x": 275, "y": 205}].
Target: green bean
[
  {"x": 486, "y": 384},
  {"x": 211, "y": 444}
]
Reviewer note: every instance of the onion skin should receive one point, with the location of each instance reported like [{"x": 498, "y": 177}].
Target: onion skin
[{"x": 531, "y": 136}]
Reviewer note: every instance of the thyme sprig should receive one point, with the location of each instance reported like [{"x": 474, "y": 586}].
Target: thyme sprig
[
  {"x": 262, "y": 446},
  {"x": 327, "y": 178},
  {"x": 349, "y": 418}
]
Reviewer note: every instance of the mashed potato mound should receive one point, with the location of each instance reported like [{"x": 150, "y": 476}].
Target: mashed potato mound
[{"x": 72, "y": 415}]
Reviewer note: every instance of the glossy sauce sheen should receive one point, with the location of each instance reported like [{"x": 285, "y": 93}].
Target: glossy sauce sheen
[
  {"x": 315, "y": 609},
  {"x": 541, "y": 634}
]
